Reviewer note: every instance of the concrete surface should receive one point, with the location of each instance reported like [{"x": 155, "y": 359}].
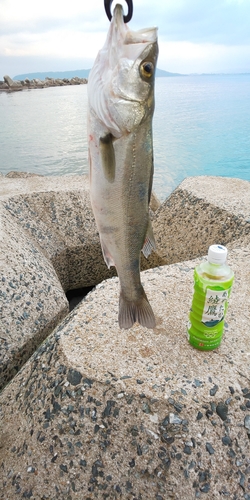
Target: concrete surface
[
  {"x": 200, "y": 211},
  {"x": 139, "y": 414},
  {"x": 97, "y": 412},
  {"x": 51, "y": 218},
  {"x": 32, "y": 301},
  {"x": 49, "y": 244}
]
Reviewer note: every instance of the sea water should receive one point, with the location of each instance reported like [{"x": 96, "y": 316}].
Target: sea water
[{"x": 201, "y": 127}]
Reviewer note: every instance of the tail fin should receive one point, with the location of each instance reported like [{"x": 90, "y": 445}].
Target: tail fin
[{"x": 139, "y": 311}]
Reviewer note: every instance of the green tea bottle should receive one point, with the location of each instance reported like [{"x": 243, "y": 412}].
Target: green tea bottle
[{"x": 213, "y": 281}]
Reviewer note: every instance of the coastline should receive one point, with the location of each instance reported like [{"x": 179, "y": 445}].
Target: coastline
[{"x": 9, "y": 85}]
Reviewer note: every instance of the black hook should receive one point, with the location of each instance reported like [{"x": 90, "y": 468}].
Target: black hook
[{"x": 107, "y": 5}]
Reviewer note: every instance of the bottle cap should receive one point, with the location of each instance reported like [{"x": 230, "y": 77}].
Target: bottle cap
[{"x": 217, "y": 254}]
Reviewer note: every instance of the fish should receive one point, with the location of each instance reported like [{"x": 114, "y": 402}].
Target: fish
[{"x": 120, "y": 149}]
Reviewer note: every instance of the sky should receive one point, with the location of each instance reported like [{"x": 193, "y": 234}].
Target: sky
[{"x": 195, "y": 36}]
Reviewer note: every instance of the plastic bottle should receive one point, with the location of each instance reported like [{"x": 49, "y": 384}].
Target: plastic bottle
[{"x": 213, "y": 281}]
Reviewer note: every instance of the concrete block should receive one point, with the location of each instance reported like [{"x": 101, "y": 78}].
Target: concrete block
[
  {"x": 99, "y": 412},
  {"x": 56, "y": 213},
  {"x": 200, "y": 212},
  {"x": 51, "y": 218}
]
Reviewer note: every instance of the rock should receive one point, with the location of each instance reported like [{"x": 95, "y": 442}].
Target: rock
[
  {"x": 75, "y": 81},
  {"x": 174, "y": 419},
  {"x": 74, "y": 377},
  {"x": 247, "y": 422},
  {"x": 187, "y": 449},
  {"x": 21, "y": 175},
  {"x": 226, "y": 441},
  {"x": 209, "y": 448},
  {"x": 49, "y": 82},
  {"x": 214, "y": 390},
  {"x": 3, "y": 86},
  {"x": 222, "y": 410},
  {"x": 59, "y": 82},
  {"x": 38, "y": 83},
  {"x": 13, "y": 85},
  {"x": 205, "y": 488},
  {"x": 9, "y": 81}
]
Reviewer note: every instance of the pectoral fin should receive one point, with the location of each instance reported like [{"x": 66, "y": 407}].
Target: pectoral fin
[
  {"x": 149, "y": 243},
  {"x": 108, "y": 156}
]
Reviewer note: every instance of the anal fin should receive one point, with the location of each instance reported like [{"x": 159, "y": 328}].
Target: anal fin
[
  {"x": 149, "y": 243},
  {"x": 106, "y": 255}
]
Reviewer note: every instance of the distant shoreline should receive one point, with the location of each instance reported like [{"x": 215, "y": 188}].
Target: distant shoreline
[
  {"x": 84, "y": 73},
  {"x": 10, "y": 85},
  {"x": 80, "y": 73}
]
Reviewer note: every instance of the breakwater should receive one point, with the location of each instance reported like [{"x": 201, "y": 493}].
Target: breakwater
[{"x": 9, "y": 85}]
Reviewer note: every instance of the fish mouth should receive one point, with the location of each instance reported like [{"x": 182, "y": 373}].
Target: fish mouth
[{"x": 119, "y": 31}]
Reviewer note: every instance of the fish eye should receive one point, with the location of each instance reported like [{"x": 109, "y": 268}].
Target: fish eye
[{"x": 147, "y": 69}]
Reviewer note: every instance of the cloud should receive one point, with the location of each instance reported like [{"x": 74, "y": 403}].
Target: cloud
[
  {"x": 194, "y": 35},
  {"x": 214, "y": 21},
  {"x": 63, "y": 45},
  {"x": 31, "y": 17},
  {"x": 188, "y": 57},
  {"x": 199, "y": 21}
]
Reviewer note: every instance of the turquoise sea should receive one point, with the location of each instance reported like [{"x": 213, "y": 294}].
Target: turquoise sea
[{"x": 201, "y": 127}]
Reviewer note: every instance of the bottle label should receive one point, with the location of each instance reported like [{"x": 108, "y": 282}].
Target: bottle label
[{"x": 214, "y": 307}]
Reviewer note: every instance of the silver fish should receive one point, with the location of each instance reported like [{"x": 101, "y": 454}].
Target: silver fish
[{"x": 121, "y": 106}]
